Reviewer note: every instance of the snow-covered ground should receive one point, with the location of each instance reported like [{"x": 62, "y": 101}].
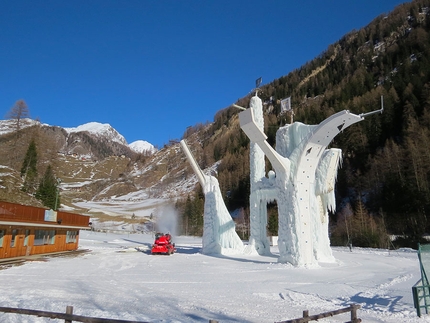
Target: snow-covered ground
[{"x": 115, "y": 280}]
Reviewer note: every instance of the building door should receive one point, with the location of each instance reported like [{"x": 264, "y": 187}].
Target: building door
[
  {"x": 17, "y": 243},
  {"x": 27, "y": 243}
]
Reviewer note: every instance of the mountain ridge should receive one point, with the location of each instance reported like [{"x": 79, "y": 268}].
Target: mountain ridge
[
  {"x": 93, "y": 162},
  {"x": 96, "y": 128}
]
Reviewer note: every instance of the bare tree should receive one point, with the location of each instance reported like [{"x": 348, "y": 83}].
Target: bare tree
[{"x": 18, "y": 111}]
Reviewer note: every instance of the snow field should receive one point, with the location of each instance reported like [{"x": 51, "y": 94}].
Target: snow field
[{"x": 119, "y": 279}]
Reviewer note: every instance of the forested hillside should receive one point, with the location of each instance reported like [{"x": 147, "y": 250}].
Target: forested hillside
[{"x": 383, "y": 186}]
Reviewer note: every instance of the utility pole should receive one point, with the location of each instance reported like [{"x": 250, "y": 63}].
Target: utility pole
[{"x": 58, "y": 192}]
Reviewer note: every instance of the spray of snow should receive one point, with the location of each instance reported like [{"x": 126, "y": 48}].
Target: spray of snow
[{"x": 166, "y": 220}]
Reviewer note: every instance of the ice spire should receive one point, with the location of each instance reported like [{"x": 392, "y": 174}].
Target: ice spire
[{"x": 219, "y": 230}]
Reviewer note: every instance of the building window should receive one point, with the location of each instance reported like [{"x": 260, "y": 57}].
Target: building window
[
  {"x": 71, "y": 236},
  {"x": 13, "y": 238},
  {"x": 51, "y": 237},
  {"x": 27, "y": 235},
  {"x": 42, "y": 237},
  {"x": 39, "y": 237},
  {"x": 1, "y": 237}
]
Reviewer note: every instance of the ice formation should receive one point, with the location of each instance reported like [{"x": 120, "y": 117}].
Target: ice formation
[
  {"x": 263, "y": 190},
  {"x": 219, "y": 230},
  {"x": 303, "y": 185}
]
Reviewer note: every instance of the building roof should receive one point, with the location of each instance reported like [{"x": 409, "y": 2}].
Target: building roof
[{"x": 17, "y": 214}]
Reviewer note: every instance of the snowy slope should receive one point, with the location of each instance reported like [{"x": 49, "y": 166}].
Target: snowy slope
[
  {"x": 100, "y": 130},
  {"x": 8, "y": 126},
  {"x": 116, "y": 281},
  {"x": 141, "y": 146}
]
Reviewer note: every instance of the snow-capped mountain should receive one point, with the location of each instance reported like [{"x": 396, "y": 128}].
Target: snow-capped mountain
[
  {"x": 100, "y": 130},
  {"x": 141, "y": 146},
  {"x": 91, "y": 139},
  {"x": 97, "y": 129},
  {"x": 92, "y": 160}
]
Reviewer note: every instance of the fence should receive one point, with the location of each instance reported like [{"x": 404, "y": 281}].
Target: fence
[
  {"x": 421, "y": 290},
  {"x": 68, "y": 317},
  {"x": 306, "y": 318}
]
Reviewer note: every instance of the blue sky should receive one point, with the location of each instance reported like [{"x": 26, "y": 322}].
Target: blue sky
[{"x": 151, "y": 68}]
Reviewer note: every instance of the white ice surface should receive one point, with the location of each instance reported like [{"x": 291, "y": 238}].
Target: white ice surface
[
  {"x": 219, "y": 234},
  {"x": 303, "y": 200},
  {"x": 115, "y": 281}
]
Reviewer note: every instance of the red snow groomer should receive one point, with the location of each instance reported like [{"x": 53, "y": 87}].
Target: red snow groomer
[{"x": 163, "y": 244}]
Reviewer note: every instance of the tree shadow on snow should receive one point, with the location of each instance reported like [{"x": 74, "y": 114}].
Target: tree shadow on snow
[
  {"x": 158, "y": 307},
  {"x": 378, "y": 301},
  {"x": 200, "y": 313},
  {"x": 138, "y": 242},
  {"x": 188, "y": 250},
  {"x": 253, "y": 260},
  {"x": 217, "y": 317}
]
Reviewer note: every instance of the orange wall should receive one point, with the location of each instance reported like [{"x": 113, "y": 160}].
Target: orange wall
[{"x": 20, "y": 248}]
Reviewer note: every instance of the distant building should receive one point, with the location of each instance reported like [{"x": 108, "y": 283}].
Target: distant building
[{"x": 28, "y": 230}]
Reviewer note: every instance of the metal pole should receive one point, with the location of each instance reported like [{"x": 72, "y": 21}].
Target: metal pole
[
  {"x": 58, "y": 192},
  {"x": 56, "y": 200}
]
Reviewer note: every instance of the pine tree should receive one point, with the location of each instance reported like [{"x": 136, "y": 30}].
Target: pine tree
[
  {"x": 29, "y": 168},
  {"x": 47, "y": 191},
  {"x": 192, "y": 216}
]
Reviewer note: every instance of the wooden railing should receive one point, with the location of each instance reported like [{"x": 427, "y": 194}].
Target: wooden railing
[
  {"x": 306, "y": 318},
  {"x": 68, "y": 317}
]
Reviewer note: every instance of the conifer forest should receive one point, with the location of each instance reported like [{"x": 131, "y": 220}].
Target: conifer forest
[{"x": 383, "y": 185}]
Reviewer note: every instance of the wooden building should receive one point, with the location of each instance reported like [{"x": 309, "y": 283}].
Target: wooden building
[{"x": 28, "y": 230}]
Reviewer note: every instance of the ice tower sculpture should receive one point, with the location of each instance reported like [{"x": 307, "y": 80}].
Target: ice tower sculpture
[
  {"x": 219, "y": 230},
  {"x": 303, "y": 184},
  {"x": 263, "y": 189}
]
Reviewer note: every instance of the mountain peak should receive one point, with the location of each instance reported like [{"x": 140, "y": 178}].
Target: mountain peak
[
  {"x": 141, "y": 146},
  {"x": 99, "y": 129}
]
